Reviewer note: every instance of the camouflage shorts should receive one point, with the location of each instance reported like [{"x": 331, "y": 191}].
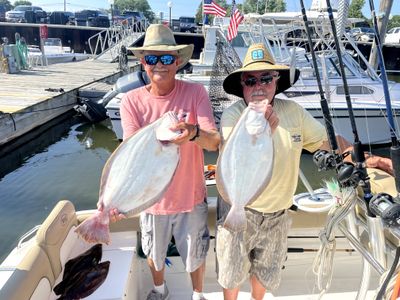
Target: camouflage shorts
[{"x": 260, "y": 250}]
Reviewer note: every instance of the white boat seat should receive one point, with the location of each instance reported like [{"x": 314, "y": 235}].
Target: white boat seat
[
  {"x": 32, "y": 279},
  {"x": 54, "y": 232}
]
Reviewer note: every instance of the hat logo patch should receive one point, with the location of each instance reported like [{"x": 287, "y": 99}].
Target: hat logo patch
[{"x": 257, "y": 54}]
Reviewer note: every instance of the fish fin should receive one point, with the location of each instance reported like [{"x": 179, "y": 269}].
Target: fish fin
[
  {"x": 95, "y": 229},
  {"x": 236, "y": 219}
]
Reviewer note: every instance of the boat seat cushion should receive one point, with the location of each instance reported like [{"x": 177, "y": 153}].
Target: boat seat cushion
[
  {"x": 32, "y": 279},
  {"x": 54, "y": 232}
]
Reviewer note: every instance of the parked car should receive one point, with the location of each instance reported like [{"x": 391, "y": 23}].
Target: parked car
[
  {"x": 61, "y": 17},
  {"x": 137, "y": 16},
  {"x": 26, "y": 13},
  {"x": 187, "y": 24},
  {"x": 393, "y": 36},
  {"x": 93, "y": 18},
  {"x": 175, "y": 25},
  {"x": 363, "y": 34}
]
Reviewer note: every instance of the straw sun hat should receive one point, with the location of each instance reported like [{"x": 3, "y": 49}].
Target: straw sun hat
[
  {"x": 258, "y": 58},
  {"x": 160, "y": 38}
]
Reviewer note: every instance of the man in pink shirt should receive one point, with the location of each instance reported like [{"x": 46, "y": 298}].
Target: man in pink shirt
[{"x": 182, "y": 211}]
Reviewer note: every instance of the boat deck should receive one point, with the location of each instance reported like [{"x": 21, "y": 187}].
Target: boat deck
[{"x": 298, "y": 280}]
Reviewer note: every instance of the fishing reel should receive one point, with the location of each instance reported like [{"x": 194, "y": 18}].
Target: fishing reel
[
  {"x": 325, "y": 160},
  {"x": 386, "y": 207},
  {"x": 347, "y": 173}
]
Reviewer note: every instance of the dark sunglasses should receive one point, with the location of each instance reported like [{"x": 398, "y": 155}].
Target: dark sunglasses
[
  {"x": 264, "y": 80},
  {"x": 166, "y": 59}
]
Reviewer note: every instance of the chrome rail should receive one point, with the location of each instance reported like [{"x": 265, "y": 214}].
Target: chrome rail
[
  {"x": 27, "y": 234},
  {"x": 360, "y": 248},
  {"x": 110, "y": 39},
  {"x": 375, "y": 244}
]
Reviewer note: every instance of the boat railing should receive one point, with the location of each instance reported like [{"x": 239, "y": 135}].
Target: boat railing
[
  {"x": 288, "y": 45},
  {"x": 27, "y": 235},
  {"x": 111, "y": 39}
]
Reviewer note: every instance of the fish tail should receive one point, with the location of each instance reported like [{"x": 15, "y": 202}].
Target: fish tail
[
  {"x": 95, "y": 229},
  {"x": 236, "y": 219}
]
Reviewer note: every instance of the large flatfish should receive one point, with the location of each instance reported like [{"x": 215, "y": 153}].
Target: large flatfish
[
  {"x": 86, "y": 282},
  {"x": 79, "y": 264},
  {"x": 244, "y": 166},
  {"x": 135, "y": 176}
]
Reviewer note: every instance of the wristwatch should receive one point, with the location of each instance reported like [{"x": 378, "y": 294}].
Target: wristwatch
[{"x": 197, "y": 133}]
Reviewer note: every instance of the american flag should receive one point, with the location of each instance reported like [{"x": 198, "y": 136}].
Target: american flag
[
  {"x": 212, "y": 8},
  {"x": 236, "y": 19}
]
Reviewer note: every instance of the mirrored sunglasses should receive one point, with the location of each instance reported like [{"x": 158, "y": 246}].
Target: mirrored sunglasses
[
  {"x": 166, "y": 59},
  {"x": 264, "y": 80}
]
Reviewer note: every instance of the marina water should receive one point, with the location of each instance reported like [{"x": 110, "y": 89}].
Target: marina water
[{"x": 65, "y": 161}]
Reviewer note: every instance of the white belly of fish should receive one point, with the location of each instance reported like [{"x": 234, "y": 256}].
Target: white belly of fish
[
  {"x": 135, "y": 176},
  {"x": 139, "y": 179},
  {"x": 245, "y": 165}
]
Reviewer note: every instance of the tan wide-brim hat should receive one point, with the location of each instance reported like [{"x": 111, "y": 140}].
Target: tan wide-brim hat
[
  {"x": 258, "y": 58},
  {"x": 161, "y": 38}
]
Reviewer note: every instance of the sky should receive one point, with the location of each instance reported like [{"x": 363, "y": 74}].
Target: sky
[{"x": 179, "y": 7}]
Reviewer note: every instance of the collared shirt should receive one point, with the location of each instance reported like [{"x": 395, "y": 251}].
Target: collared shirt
[
  {"x": 139, "y": 108},
  {"x": 297, "y": 130}
]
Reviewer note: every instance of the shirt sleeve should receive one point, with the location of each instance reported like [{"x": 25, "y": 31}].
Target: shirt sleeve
[
  {"x": 129, "y": 122},
  {"x": 205, "y": 117},
  {"x": 313, "y": 131}
]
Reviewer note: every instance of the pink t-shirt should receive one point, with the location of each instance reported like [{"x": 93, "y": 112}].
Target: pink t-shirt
[{"x": 139, "y": 108}]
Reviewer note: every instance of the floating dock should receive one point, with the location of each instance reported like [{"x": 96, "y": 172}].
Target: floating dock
[{"x": 33, "y": 97}]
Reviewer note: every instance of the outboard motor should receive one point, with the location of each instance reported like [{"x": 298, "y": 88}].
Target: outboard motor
[{"x": 95, "y": 111}]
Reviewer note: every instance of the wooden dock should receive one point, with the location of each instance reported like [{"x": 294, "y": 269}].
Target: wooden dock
[{"x": 33, "y": 97}]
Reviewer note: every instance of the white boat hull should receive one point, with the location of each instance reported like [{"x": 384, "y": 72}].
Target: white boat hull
[{"x": 371, "y": 122}]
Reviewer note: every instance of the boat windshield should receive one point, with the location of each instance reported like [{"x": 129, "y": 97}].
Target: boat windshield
[{"x": 327, "y": 64}]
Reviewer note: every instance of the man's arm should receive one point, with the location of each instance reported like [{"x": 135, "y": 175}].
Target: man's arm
[
  {"x": 207, "y": 139},
  {"x": 371, "y": 161}
]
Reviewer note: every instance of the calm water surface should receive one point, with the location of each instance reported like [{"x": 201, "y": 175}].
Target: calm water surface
[{"x": 66, "y": 162}]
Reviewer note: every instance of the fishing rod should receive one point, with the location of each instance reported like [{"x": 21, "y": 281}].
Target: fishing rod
[
  {"x": 359, "y": 174},
  {"x": 383, "y": 77},
  {"x": 384, "y": 201},
  {"x": 323, "y": 262},
  {"x": 383, "y": 204},
  {"x": 323, "y": 159}
]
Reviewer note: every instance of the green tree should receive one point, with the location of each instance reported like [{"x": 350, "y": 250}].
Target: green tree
[
  {"x": 394, "y": 22},
  {"x": 199, "y": 13},
  {"x": 22, "y": 2},
  {"x": 136, "y": 5},
  {"x": 261, "y": 6},
  {"x": 355, "y": 9},
  {"x": 7, "y": 5}
]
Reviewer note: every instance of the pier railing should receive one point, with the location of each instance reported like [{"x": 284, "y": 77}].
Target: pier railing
[{"x": 107, "y": 43}]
